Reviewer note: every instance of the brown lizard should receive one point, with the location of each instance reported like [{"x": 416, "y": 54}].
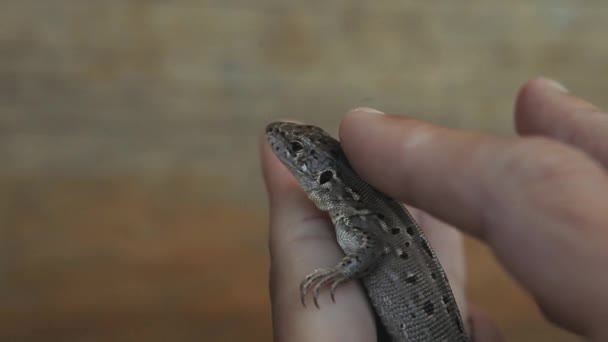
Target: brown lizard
[{"x": 384, "y": 247}]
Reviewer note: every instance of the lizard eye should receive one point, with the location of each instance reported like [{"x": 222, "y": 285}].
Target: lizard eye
[
  {"x": 296, "y": 146},
  {"x": 325, "y": 177}
]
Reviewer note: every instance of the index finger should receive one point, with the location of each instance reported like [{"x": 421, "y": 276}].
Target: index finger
[
  {"x": 452, "y": 174},
  {"x": 538, "y": 203}
]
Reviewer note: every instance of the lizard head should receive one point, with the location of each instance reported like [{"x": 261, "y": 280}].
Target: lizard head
[{"x": 309, "y": 153}]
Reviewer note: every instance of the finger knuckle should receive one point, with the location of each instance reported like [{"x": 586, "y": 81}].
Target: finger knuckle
[{"x": 539, "y": 160}]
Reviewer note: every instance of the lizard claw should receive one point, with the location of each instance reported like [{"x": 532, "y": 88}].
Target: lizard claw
[
  {"x": 319, "y": 284},
  {"x": 332, "y": 291},
  {"x": 308, "y": 281},
  {"x": 317, "y": 280}
]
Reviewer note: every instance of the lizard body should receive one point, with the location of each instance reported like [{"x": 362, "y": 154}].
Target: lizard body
[{"x": 383, "y": 245}]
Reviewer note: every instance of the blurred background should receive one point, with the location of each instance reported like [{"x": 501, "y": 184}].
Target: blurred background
[{"x": 131, "y": 201}]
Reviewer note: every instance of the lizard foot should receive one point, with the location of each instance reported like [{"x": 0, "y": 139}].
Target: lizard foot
[{"x": 319, "y": 278}]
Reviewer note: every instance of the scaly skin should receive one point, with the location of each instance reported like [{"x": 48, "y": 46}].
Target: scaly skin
[{"x": 384, "y": 247}]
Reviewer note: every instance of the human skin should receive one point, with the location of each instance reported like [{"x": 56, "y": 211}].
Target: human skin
[{"x": 538, "y": 200}]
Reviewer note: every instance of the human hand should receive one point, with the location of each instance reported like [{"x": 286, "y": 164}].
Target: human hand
[{"x": 537, "y": 202}]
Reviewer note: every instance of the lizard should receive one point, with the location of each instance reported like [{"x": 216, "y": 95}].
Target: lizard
[{"x": 384, "y": 246}]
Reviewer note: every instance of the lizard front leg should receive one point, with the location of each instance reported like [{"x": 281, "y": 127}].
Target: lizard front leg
[{"x": 362, "y": 253}]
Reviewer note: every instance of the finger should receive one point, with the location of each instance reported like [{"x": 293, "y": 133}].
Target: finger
[
  {"x": 301, "y": 240},
  {"x": 517, "y": 194},
  {"x": 448, "y": 244},
  {"x": 481, "y": 327},
  {"x": 544, "y": 107},
  {"x": 451, "y": 173}
]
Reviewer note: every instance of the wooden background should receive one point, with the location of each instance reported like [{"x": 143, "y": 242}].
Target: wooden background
[{"x": 131, "y": 202}]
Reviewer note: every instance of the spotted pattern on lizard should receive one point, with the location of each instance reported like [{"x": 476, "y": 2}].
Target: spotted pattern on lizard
[{"x": 384, "y": 247}]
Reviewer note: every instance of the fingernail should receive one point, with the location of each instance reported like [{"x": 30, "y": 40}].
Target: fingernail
[
  {"x": 554, "y": 85},
  {"x": 366, "y": 110}
]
